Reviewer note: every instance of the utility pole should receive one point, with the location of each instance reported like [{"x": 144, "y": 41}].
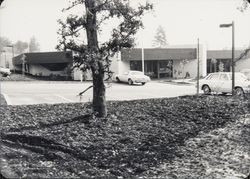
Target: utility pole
[
  {"x": 198, "y": 66},
  {"x": 232, "y": 62}
]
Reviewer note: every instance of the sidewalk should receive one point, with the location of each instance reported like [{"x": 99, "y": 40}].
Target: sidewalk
[{"x": 188, "y": 81}]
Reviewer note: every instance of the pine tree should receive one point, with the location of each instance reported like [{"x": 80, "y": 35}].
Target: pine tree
[
  {"x": 160, "y": 40},
  {"x": 34, "y": 46}
]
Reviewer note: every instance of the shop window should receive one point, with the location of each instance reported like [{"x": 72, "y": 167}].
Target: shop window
[{"x": 136, "y": 65}]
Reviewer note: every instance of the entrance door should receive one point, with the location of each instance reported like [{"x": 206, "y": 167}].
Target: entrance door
[
  {"x": 165, "y": 69},
  {"x": 151, "y": 68}
]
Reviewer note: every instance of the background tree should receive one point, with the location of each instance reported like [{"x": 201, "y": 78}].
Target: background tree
[
  {"x": 34, "y": 46},
  {"x": 4, "y": 42},
  {"x": 95, "y": 55},
  {"x": 20, "y": 47},
  {"x": 160, "y": 40}
]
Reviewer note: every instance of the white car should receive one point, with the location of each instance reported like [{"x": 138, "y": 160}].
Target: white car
[
  {"x": 5, "y": 71},
  {"x": 221, "y": 82},
  {"x": 131, "y": 77},
  {"x": 246, "y": 72}
]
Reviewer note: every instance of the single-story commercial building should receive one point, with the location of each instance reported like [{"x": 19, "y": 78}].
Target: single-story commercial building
[
  {"x": 175, "y": 62},
  {"x": 164, "y": 62},
  {"x": 44, "y": 64},
  {"x": 220, "y": 60}
]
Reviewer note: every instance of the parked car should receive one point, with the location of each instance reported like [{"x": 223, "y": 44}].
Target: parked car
[
  {"x": 5, "y": 71},
  {"x": 131, "y": 77},
  {"x": 221, "y": 82}
]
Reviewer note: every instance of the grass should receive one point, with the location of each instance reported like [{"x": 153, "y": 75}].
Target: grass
[{"x": 65, "y": 140}]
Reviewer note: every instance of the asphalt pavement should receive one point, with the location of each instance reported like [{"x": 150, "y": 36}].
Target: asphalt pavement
[{"x": 38, "y": 92}]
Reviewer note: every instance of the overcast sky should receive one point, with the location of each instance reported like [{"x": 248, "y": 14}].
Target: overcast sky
[{"x": 183, "y": 20}]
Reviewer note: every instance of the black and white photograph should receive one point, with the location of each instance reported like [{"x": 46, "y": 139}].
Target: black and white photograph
[{"x": 125, "y": 89}]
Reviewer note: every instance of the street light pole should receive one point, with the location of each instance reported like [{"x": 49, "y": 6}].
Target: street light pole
[
  {"x": 198, "y": 66},
  {"x": 232, "y": 62}
]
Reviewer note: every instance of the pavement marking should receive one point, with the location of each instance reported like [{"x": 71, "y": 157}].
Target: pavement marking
[
  {"x": 7, "y": 99},
  {"x": 65, "y": 99}
]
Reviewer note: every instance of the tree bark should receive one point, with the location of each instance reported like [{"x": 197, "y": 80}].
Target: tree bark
[{"x": 99, "y": 100}]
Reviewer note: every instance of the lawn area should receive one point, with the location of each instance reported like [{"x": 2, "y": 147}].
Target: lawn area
[{"x": 141, "y": 138}]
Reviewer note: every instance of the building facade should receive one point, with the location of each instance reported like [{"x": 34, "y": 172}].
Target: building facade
[
  {"x": 44, "y": 64},
  {"x": 175, "y": 62},
  {"x": 164, "y": 62}
]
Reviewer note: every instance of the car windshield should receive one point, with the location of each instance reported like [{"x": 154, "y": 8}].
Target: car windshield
[{"x": 136, "y": 73}]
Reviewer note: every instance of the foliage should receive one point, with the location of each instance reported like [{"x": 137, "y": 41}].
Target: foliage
[
  {"x": 160, "y": 38},
  {"x": 34, "y": 46},
  {"x": 20, "y": 47},
  {"x": 121, "y": 36},
  {"x": 221, "y": 67},
  {"x": 93, "y": 54},
  {"x": 4, "y": 42},
  {"x": 1, "y": 1},
  {"x": 64, "y": 140},
  {"x": 244, "y": 6}
]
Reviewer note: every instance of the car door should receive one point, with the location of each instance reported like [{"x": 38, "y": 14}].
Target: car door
[
  {"x": 213, "y": 82},
  {"x": 226, "y": 83},
  {"x": 124, "y": 77}
]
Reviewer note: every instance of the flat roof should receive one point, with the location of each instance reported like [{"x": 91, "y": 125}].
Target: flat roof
[
  {"x": 223, "y": 54},
  {"x": 44, "y": 57},
  {"x": 159, "y": 54}
]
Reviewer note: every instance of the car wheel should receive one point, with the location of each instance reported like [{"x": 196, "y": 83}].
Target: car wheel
[
  {"x": 206, "y": 89},
  {"x": 130, "y": 82},
  {"x": 143, "y": 83},
  {"x": 117, "y": 80},
  {"x": 238, "y": 91}
]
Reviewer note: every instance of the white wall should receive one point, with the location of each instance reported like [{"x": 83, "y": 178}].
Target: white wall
[
  {"x": 118, "y": 66},
  {"x": 78, "y": 75},
  {"x": 203, "y": 60},
  {"x": 36, "y": 69},
  {"x": 190, "y": 67}
]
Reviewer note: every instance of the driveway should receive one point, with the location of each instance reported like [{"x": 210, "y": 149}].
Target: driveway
[{"x": 22, "y": 93}]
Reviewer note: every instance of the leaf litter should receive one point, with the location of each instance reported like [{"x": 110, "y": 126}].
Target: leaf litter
[{"x": 136, "y": 139}]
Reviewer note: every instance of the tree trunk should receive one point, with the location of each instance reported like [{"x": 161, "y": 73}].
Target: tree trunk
[{"x": 99, "y": 100}]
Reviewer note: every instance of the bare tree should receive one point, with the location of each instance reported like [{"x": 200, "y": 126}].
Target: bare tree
[
  {"x": 94, "y": 55},
  {"x": 160, "y": 38}
]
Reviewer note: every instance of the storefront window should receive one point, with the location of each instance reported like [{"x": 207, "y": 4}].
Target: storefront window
[{"x": 136, "y": 65}]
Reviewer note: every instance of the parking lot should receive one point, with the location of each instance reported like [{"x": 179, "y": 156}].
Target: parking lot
[{"x": 24, "y": 93}]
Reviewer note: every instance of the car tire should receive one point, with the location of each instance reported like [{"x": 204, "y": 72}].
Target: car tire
[
  {"x": 143, "y": 83},
  {"x": 238, "y": 91},
  {"x": 206, "y": 90},
  {"x": 117, "y": 80},
  {"x": 130, "y": 82}
]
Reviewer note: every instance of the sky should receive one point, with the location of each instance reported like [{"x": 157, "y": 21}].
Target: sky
[{"x": 184, "y": 22}]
